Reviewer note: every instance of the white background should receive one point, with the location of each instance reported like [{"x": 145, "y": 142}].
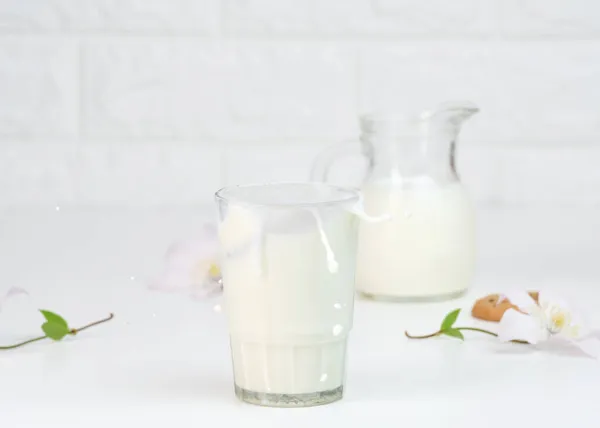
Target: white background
[
  {"x": 162, "y": 101},
  {"x": 119, "y": 119}
]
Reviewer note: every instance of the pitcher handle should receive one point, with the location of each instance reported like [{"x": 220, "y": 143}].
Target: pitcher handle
[{"x": 324, "y": 161}]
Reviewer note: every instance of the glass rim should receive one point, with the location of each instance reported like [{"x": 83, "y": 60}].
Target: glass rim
[{"x": 347, "y": 194}]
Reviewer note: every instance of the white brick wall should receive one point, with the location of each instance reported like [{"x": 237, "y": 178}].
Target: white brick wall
[
  {"x": 111, "y": 16},
  {"x": 39, "y": 88},
  {"x": 529, "y": 91},
  {"x": 163, "y": 101},
  {"x": 224, "y": 90}
]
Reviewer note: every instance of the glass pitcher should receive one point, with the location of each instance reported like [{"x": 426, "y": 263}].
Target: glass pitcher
[{"x": 424, "y": 248}]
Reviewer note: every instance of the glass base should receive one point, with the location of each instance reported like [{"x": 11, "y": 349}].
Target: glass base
[
  {"x": 290, "y": 400},
  {"x": 414, "y": 299}
]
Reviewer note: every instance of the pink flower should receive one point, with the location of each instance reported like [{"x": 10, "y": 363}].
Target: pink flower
[
  {"x": 192, "y": 267},
  {"x": 12, "y": 292}
]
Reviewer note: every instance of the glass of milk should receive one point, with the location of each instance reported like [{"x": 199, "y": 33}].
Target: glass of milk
[
  {"x": 288, "y": 253},
  {"x": 425, "y": 250}
]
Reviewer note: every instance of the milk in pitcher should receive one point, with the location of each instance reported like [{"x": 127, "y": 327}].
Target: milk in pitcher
[
  {"x": 427, "y": 246},
  {"x": 424, "y": 248}
]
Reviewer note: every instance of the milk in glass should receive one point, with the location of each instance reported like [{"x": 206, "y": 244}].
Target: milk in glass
[{"x": 288, "y": 278}]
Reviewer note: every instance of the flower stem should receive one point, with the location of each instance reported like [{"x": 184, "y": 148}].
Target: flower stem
[
  {"x": 491, "y": 333},
  {"x": 72, "y": 332},
  {"x": 85, "y": 327},
  {"x": 18, "y": 345},
  {"x": 439, "y": 332},
  {"x": 427, "y": 336}
]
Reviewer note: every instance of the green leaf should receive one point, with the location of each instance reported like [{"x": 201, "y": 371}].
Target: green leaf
[
  {"x": 450, "y": 320},
  {"x": 55, "y": 331},
  {"x": 454, "y": 333},
  {"x": 55, "y": 326},
  {"x": 53, "y": 318}
]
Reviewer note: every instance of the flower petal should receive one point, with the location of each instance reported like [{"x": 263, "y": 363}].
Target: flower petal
[
  {"x": 576, "y": 324},
  {"x": 205, "y": 245},
  {"x": 198, "y": 285},
  {"x": 15, "y": 291},
  {"x": 12, "y": 292},
  {"x": 191, "y": 266},
  {"x": 172, "y": 280},
  {"x": 519, "y": 298},
  {"x": 548, "y": 299},
  {"x": 515, "y": 325},
  {"x": 209, "y": 231},
  {"x": 187, "y": 253},
  {"x": 589, "y": 345},
  {"x": 210, "y": 288}
]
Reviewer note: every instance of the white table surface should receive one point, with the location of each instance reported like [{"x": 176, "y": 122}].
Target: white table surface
[{"x": 164, "y": 358}]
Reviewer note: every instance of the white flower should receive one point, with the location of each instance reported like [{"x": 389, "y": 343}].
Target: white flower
[
  {"x": 550, "y": 317},
  {"x": 192, "y": 267}
]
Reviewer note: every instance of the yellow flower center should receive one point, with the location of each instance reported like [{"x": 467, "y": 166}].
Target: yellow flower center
[
  {"x": 204, "y": 269},
  {"x": 559, "y": 320},
  {"x": 214, "y": 270}
]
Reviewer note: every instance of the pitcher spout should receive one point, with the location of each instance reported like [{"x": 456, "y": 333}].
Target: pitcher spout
[{"x": 453, "y": 113}]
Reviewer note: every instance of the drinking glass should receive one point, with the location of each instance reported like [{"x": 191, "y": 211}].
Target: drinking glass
[{"x": 288, "y": 263}]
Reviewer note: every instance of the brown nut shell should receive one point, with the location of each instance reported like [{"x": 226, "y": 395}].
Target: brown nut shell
[{"x": 488, "y": 309}]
